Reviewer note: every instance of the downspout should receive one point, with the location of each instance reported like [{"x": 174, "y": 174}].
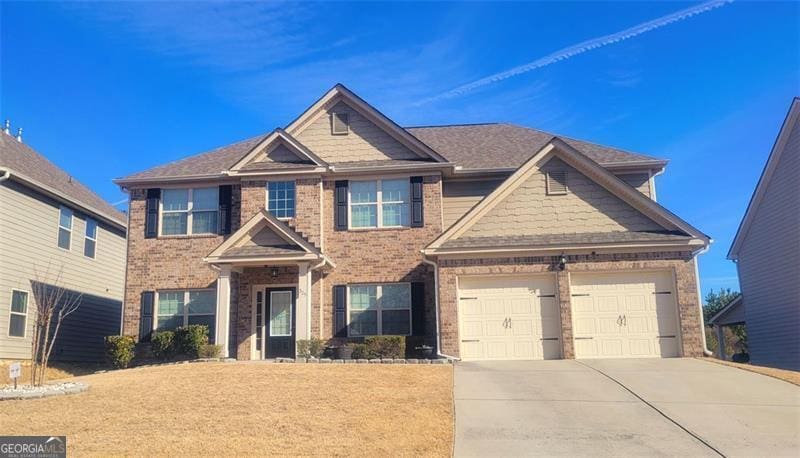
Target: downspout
[
  {"x": 311, "y": 270},
  {"x": 706, "y": 351},
  {"x": 436, "y": 307}
]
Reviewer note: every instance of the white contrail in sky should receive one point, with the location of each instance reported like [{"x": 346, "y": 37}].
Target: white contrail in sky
[{"x": 580, "y": 48}]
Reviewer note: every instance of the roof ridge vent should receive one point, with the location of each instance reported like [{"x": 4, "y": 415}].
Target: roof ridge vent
[
  {"x": 7, "y": 128},
  {"x": 19, "y": 134}
]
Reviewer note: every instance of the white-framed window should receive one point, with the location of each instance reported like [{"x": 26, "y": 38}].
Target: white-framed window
[
  {"x": 281, "y": 198},
  {"x": 189, "y": 211},
  {"x": 18, "y": 318},
  {"x": 64, "y": 228},
  {"x": 379, "y": 309},
  {"x": 176, "y": 308},
  {"x": 90, "y": 239},
  {"x": 379, "y": 203}
]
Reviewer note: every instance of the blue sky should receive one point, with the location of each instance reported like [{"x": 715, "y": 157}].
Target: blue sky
[{"x": 107, "y": 89}]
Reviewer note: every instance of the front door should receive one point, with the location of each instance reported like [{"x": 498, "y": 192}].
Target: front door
[{"x": 279, "y": 308}]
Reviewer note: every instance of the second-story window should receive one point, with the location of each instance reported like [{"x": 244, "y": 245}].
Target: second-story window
[
  {"x": 189, "y": 211},
  {"x": 379, "y": 203},
  {"x": 281, "y": 198},
  {"x": 64, "y": 228},
  {"x": 90, "y": 240}
]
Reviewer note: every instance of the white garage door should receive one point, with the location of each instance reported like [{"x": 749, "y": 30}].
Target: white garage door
[
  {"x": 509, "y": 318},
  {"x": 619, "y": 315}
]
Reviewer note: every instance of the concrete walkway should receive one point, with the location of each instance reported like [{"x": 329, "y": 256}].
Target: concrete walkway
[{"x": 611, "y": 408}]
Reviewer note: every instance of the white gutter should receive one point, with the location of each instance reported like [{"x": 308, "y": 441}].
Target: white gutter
[
  {"x": 436, "y": 307},
  {"x": 6, "y": 175},
  {"x": 706, "y": 351}
]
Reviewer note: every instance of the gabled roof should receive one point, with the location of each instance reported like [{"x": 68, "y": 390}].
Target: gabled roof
[
  {"x": 341, "y": 93},
  {"x": 32, "y": 168},
  {"x": 733, "y": 309},
  {"x": 672, "y": 224},
  {"x": 292, "y": 247},
  {"x": 477, "y": 147},
  {"x": 277, "y": 136},
  {"x": 508, "y": 146},
  {"x": 769, "y": 169}
]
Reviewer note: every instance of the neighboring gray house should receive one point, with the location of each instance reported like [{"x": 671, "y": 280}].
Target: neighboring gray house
[
  {"x": 766, "y": 251},
  {"x": 50, "y": 223}
]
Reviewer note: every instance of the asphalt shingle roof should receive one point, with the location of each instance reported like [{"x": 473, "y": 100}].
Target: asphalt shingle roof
[
  {"x": 555, "y": 239},
  {"x": 488, "y": 146},
  {"x": 478, "y": 146},
  {"x": 24, "y": 160}
]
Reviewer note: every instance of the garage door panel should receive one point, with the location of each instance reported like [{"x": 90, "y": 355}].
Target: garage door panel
[
  {"x": 524, "y": 306},
  {"x": 646, "y": 311},
  {"x": 640, "y": 347},
  {"x": 607, "y": 304},
  {"x": 515, "y": 313},
  {"x": 611, "y": 348},
  {"x": 494, "y": 306},
  {"x": 608, "y": 326},
  {"x": 494, "y": 328},
  {"x": 524, "y": 350}
]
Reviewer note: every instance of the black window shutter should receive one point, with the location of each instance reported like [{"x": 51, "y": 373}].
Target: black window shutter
[
  {"x": 146, "y": 316},
  {"x": 339, "y": 311},
  {"x": 418, "y": 308},
  {"x": 225, "y": 209},
  {"x": 417, "y": 218},
  {"x": 340, "y": 207},
  {"x": 151, "y": 213}
]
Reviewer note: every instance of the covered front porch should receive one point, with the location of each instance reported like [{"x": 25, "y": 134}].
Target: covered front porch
[{"x": 267, "y": 275}]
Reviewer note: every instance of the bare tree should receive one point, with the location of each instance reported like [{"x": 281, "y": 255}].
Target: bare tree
[{"x": 54, "y": 303}]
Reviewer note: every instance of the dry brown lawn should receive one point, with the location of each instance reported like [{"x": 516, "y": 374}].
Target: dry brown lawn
[
  {"x": 249, "y": 409},
  {"x": 55, "y": 371},
  {"x": 785, "y": 375}
]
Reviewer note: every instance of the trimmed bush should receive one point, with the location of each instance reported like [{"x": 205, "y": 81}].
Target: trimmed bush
[
  {"x": 120, "y": 350},
  {"x": 311, "y": 348},
  {"x": 189, "y": 339},
  {"x": 163, "y": 345},
  {"x": 210, "y": 351},
  {"x": 386, "y": 346},
  {"x": 360, "y": 351}
]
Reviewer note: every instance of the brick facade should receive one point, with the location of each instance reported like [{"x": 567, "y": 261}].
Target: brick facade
[
  {"x": 174, "y": 262},
  {"x": 680, "y": 263}
]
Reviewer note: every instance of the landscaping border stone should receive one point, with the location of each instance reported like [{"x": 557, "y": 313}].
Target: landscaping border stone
[{"x": 46, "y": 391}]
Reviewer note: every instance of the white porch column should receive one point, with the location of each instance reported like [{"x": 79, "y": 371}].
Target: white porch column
[
  {"x": 223, "y": 309},
  {"x": 303, "y": 318}
]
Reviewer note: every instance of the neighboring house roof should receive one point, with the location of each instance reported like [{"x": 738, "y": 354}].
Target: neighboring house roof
[
  {"x": 448, "y": 241},
  {"x": 778, "y": 149},
  {"x": 28, "y": 166},
  {"x": 470, "y": 147},
  {"x": 733, "y": 313},
  {"x": 508, "y": 146}
]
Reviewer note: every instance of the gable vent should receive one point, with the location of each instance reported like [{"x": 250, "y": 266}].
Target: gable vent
[
  {"x": 340, "y": 123},
  {"x": 556, "y": 182}
]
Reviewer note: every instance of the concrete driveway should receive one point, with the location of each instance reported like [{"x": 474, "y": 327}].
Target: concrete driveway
[{"x": 633, "y": 407}]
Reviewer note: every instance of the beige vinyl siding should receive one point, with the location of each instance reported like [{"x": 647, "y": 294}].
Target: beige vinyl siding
[
  {"x": 769, "y": 271},
  {"x": 458, "y": 197},
  {"x": 364, "y": 142},
  {"x": 28, "y": 243},
  {"x": 640, "y": 181},
  {"x": 587, "y": 207}
]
